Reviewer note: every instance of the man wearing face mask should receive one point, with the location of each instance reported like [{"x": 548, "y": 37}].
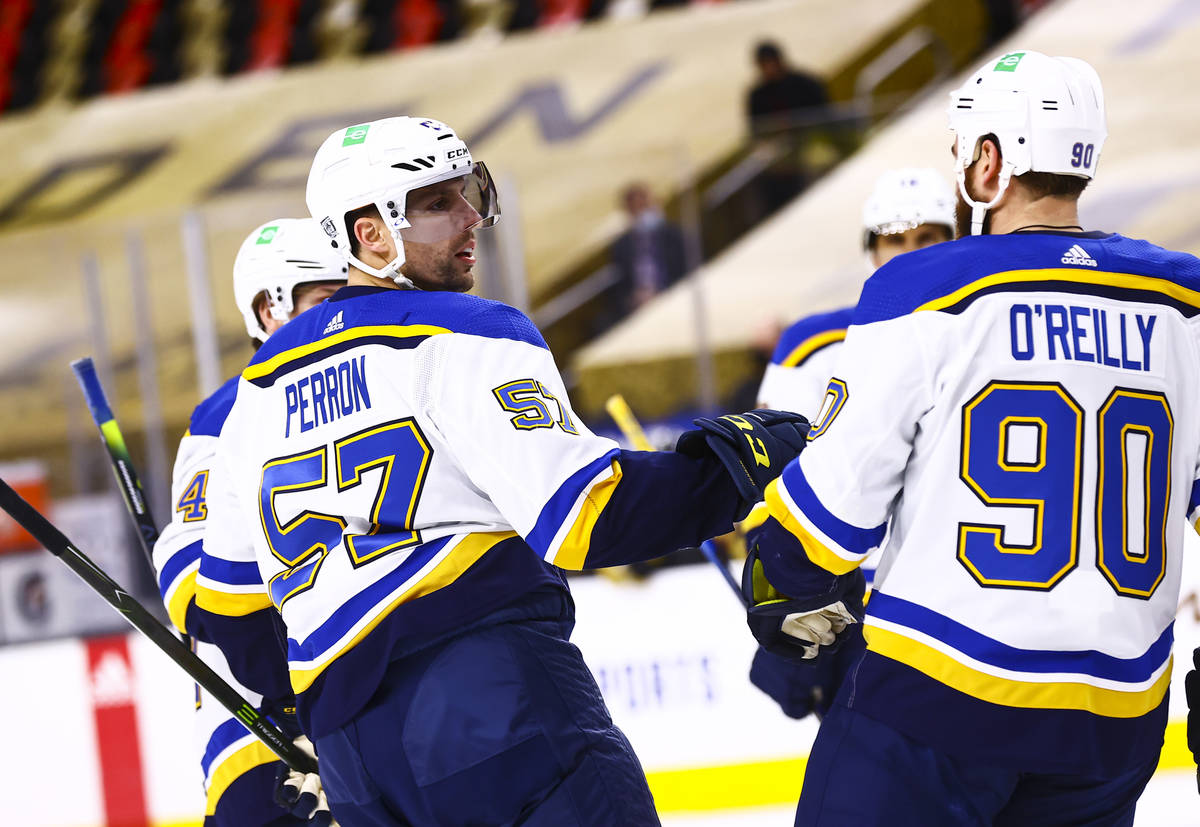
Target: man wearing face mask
[{"x": 649, "y": 255}]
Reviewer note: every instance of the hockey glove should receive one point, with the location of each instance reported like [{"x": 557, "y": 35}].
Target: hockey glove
[
  {"x": 796, "y": 629},
  {"x": 754, "y": 447},
  {"x": 1191, "y": 688},
  {"x": 300, "y": 793},
  {"x": 810, "y": 686}
]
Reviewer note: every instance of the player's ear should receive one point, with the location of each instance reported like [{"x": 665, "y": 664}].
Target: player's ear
[
  {"x": 370, "y": 234},
  {"x": 985, "y": 172},
  {"x": 262, "y": 309}
]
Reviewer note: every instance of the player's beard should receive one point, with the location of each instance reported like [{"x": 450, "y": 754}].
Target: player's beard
[
  {"x": 436, "y": 267},
  {"x": 962, "y": 214}
]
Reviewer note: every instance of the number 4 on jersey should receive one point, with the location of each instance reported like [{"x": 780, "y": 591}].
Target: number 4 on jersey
[{"x": 192, "y": 503}]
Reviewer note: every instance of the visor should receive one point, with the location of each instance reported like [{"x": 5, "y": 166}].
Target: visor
[{"x": 451, "y": 207}]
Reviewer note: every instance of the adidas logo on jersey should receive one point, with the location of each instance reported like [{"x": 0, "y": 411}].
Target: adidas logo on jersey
[
  {"x": 336, "y": 322},
  {"x": 1078, "y": 255}
]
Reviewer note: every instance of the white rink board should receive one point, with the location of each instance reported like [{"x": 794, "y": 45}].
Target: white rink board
[{"x": 672, "y": 655}]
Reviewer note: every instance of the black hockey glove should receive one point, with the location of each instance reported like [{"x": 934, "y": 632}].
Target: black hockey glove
[
  {"x": 1191, "y": 688},
  {"x": 754, "y": 447},
  {"x": 298, "y": 792},
  {"x": 798, "y": 629},
  {"x": 809, "y": 687}
]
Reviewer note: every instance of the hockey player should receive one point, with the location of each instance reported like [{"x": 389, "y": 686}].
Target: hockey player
[
  {"x": 909, "y": 209},
  {"x": 1023, "y": 406},
  {"x": 416, "y": 480},
  {"x": 282, "y": 269}
]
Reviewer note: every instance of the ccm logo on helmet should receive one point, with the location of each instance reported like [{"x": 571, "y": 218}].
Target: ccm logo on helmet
[{"x": 456, "y": 153}]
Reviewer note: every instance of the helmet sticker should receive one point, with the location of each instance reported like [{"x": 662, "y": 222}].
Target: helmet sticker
[
  {"x": 355, "y": 134},
  {"x": 1009, "y": 62},
  {"x": 329, "y": 227},
  {"x": 267, "y": 235}
]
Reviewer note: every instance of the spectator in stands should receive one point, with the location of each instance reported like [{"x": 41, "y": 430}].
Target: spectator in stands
[
  {"x": 786, "y": 106},
  {"x": 784, "y": 96},
  {"x": 648, "y": 256}
]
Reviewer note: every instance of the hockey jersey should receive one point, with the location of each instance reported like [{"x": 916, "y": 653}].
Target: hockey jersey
[
  {"x": 410, "y": 464},
  {"x": 226, "y": 750},
  {"x": 803, "y": 361},
  {"x": 1025, "y": 410}
]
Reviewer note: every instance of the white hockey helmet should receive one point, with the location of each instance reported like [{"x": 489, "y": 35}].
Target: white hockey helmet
[
  {"x": 274, "y": 259},
  {"x": 380, "y": 163},
  {"x": 1047, "y": 112},
  {"x": 904, "y": 199}
]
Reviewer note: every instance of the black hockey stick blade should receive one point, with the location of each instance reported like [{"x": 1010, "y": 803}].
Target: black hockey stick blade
[{"x": 57, "y": 544}]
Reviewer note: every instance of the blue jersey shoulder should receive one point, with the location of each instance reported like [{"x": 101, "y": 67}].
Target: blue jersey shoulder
[
  {"x": 357, "y": 306},
  {"x": 951, "y": 275},
  {"x": 209, "y": 416},
  {"x": 799, "y": 337}
]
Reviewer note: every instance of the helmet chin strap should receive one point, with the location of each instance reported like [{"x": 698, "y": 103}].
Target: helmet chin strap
[
  {"x": 978, "y": 208},
  {"x": 391, "y": 270}
]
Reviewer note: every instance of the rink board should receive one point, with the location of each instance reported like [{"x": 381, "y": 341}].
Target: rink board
[{"x": 671, "y": 655}]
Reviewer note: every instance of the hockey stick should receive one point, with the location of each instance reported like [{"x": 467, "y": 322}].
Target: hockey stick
[
  {"x": 135, "y": 502},
  {"x": 118, "y": 454},
  {"x": 57, "y": 544},
  {"x": 623, "y": 415}
]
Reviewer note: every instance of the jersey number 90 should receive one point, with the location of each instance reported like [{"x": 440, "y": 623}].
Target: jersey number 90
[{"x": 1023, "y": 447}]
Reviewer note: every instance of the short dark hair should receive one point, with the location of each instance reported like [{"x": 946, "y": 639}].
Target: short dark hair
[
  {"x": 1045, "y": 184},
  {"x": 767, "y": 50},
  {"x": 368, "y": 211},
  {"x": 1050, "y": 184}
]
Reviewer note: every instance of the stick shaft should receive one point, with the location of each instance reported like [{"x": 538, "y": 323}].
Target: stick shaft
[
  {"x": 57, "y": 544},
  {"x": 709, "y": 549},
  {"x": 118, "y": 454},
  {"x": 622, "y": 414}
]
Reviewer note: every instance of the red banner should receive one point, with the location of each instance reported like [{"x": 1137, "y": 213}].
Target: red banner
[{"x": 110, "y": 677}]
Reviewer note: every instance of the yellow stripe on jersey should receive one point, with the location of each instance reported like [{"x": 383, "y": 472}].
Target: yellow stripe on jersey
[
  {"x": 572, "y": 554},
  {"x": 817, "y": 552},
  {"x": 254, "y": 754},
  {"x": 811, "y": 345},
  {"x": 1111, "y": 703},
  {"x": 231, "y": 604},
  {"x": 451, "y": 567},
  {"x": 397, "y": 331},
  {"x": 1125, "y": 280},
  {"x": 184, "y": 594}
]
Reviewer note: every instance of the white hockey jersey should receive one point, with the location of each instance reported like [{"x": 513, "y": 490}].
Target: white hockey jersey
[
  {"x": 410, "y": 463},
  {"x": 225, "y": 749},
  {"x": 1026, "y": 411},
  {"x": 803, "y": 361}
]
